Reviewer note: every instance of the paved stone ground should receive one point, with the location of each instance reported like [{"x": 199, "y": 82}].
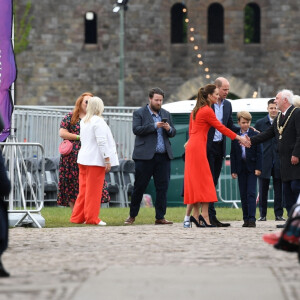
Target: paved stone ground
[{"x": 57, "y": 263}]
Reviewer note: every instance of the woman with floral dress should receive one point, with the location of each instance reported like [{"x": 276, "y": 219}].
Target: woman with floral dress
[{"x": 68, "y": 169}]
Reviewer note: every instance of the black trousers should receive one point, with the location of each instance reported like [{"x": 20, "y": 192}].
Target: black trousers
[
  {"x": 3, "y": 226},
  {"x": 4, "y": 191},
  {"x": 215, "y": 160},
  {"x": 291, "y": 192},
  {"x": 264, "y": 184},
  {"x": 159, "y": 167}
]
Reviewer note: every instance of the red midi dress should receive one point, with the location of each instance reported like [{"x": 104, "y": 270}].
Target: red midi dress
[{"x": 198, "y": 180}]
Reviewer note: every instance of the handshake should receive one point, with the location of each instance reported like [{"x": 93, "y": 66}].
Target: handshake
[{"x": 244, "y": 140}]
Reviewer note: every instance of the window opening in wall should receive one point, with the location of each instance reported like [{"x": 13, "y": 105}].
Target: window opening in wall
[
  {"x": 179, "y": 24},
  {"x": 252, "y": 23},
  {"x": 215, "y": 23},
  {"x": 90, "y": 28}
]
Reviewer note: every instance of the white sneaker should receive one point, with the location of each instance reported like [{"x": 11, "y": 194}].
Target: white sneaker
[{"x": 101, "y": 223}]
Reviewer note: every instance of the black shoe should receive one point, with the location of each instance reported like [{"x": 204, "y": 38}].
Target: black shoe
[
  {"x": 279, "y": 218},
  {"x": 203, "y": 222},
  {"x": 193, "y": 220},
  {"x": 280, "y": 225},
  {"x": 217, "y": 223},
  {"x": 262, "y": 219},
  {"x": 3, "y": 272},
  {"x": 251, "y": 224},
  {"x": 246, "y": 224}
]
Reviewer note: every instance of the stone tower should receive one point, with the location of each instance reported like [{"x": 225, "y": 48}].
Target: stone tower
[{"x": 59, "y": 64}]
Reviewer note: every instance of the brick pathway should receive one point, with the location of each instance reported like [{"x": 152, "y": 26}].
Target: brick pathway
[{"x": 54, "y": 263}]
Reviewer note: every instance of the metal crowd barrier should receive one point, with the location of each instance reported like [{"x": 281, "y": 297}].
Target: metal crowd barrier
[
  {"x": 41, "y": 125},
  {"x": 228, "y": 189},
  {"x": 25, "y": 165}
]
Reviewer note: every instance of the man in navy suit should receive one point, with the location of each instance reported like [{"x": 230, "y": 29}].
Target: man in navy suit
[
  {"x": 246, "y": 164},
  {"x": 270, "y": 167},
  {"x": 152, "y": 154},
  {"x": 4, "y": 191},
  {"x": 216, "y": 141}
]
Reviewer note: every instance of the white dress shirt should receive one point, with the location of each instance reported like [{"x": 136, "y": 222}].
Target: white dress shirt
[{"x": 97, "y": 143}]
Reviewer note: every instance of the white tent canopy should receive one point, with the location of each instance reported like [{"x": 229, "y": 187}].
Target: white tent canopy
[{"x": 250, "y": 104}]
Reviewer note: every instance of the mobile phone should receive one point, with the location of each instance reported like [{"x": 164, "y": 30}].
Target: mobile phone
[{"x": 164, "y": 120}]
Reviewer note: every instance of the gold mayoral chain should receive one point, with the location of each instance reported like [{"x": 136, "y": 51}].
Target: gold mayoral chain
[{"x": 281, "y": 128}]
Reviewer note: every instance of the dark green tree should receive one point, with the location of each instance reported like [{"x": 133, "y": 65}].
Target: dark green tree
[{"x": 22, "y": 26}]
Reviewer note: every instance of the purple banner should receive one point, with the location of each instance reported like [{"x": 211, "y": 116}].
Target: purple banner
[{"x": 7, "y": 66}]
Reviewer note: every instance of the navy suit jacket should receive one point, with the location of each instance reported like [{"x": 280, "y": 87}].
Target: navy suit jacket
[
  {"x": 253, "y": 156},
  {"x": 227, "y": 121},
  {"x": 146, "y": 134},
  {"x": 270, "y": 151}
]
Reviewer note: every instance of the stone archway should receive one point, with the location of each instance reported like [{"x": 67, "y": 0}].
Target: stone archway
[{"x": 191, "y": 87}]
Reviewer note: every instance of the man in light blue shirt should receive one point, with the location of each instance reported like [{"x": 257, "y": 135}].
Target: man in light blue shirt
[{"x": 216, "y": 143}]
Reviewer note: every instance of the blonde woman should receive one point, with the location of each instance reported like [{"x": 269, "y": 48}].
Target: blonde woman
[{"x": 96, "y": 157}]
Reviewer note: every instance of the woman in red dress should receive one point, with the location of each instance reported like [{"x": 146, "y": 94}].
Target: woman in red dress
[{"x": 199, "y": 188}]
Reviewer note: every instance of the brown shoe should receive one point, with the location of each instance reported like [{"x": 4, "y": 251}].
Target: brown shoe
[
  {"x": 129, "y": 221},
  {"x": 162, "y": 222}
]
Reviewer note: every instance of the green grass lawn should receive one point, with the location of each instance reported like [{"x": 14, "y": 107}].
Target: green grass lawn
[{"x": 60, "y": 216}]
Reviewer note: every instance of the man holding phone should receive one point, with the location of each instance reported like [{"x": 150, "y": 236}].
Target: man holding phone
[{"x": 152, "y": 154}]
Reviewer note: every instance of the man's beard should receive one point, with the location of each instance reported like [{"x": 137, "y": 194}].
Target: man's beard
[{"x": 154, "y": 108}]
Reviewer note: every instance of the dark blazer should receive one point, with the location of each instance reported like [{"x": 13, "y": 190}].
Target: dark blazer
[
  {"x": 227, "y": 121},
  {"x": 146, "y": 135},
  {"x": 270, "y": 151},
  {"x": 288, "y": 145},
  {"x": 253, "y": 156}
]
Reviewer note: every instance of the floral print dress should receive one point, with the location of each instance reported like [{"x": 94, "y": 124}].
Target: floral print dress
[{"x": 68, "y": 186}]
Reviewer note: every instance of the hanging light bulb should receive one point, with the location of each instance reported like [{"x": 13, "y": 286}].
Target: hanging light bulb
[
  {"x": 192, "y": 29},
  {"x": 199, "y": 55},
  {"x": 207, "y": 76},
  {"x": 192, "y": 38},
  {"x": 186, "y": 20},
  {"x": 200, "y": 62},
  {"x": 196, "y": 47},
  {"x": 206, "y": 69},
  {"x": 184, "y": 10}
]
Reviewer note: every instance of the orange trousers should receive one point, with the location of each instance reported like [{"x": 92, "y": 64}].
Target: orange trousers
[{"x": 88, "y": 202}]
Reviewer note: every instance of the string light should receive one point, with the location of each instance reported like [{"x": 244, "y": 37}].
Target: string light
[
  {"x": 192, "y": 39},
  {"x": 254, "y": 94}
]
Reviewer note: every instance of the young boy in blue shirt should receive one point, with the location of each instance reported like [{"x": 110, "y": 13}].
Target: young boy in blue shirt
[{"x": 246, "y": 164}]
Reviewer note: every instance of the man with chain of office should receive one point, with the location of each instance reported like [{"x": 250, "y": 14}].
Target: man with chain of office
[{"x": 286, "y": 129}]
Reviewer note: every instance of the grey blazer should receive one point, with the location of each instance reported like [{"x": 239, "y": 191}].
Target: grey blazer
[{"x": 146, "y": 135}]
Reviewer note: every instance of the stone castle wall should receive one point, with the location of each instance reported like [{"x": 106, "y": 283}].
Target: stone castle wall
[{"x": 57, "y": 66}]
